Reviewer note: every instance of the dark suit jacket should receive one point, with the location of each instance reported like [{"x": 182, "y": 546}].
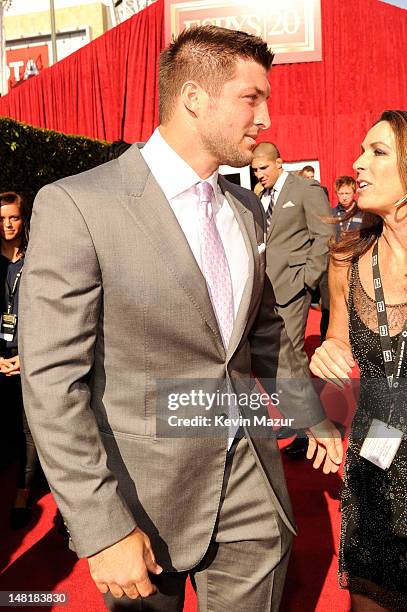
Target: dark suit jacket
[
  {"x": 126, "y": 311},
  {"x": 297, "y": 242}
]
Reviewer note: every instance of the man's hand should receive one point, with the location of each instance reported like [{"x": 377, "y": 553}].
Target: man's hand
[
  {"x": 123, "y": 567},
  {"x": 326, "y": 440},
  {"x": 333, "y": 362}
]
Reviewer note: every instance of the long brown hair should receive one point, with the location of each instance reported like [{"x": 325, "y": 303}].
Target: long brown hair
[
  {"x": 11, "y": 197},
  {"x": 355, "y": 243}
]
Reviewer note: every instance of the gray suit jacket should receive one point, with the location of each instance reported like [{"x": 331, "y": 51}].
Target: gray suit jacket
[
  {"x": 112, "y": 300},
  {"x": 297, "y": 245}
]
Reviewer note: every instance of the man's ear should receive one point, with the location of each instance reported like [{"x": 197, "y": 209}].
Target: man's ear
[
  {"x": 192, "y": 97},
  {"x": 279, "y": 163}
]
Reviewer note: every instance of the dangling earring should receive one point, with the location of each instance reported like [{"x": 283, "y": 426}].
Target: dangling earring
[{"x": 401, "y": 201}]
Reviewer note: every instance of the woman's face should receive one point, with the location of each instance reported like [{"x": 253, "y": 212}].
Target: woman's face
[
  {"x": 11, "y": 222},
  {"x": 378, "y": 179}
]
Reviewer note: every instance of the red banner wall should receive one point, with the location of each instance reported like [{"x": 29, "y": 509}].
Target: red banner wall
[
  {"x": 105, "y": 90},
  {"x": 320, "y": 110}
]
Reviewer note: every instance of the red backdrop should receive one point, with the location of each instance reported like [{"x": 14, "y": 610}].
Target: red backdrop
[
  {"x": 320, "y": 110},
  {"x": 105, "y": 90}
]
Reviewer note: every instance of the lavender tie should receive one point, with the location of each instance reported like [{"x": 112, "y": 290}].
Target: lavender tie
[{"x": 215, "y": 267}]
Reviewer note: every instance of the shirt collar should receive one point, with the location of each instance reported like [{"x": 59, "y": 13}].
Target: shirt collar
[
  {"x": 278, "y": 185},
  {"x": 171, "y": 172}
]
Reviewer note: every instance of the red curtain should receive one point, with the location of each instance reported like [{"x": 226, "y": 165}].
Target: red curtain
[
  {"x": 105, "y": 90},
  {"x": 319, "y": 110}
]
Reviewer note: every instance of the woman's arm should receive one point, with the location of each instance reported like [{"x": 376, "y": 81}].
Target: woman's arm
[{"x": 333, "y": 360}]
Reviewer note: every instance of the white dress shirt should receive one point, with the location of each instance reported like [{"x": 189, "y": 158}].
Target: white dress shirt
[
  {"x": 177, "y": 180},
  {"x": 277, "y": 187}
]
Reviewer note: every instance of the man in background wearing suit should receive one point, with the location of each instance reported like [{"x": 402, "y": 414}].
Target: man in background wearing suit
[
  {"x": 297, "y": 249},
  {"x": 144, "y": 271},
  {"x": 297, "y": 239}
]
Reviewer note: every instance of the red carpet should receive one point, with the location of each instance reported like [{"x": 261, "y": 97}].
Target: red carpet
[{"x": 37, "y": 558}]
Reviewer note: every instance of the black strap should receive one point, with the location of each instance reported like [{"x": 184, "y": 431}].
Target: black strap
[
  {"x": 13, "y": 290},
  {"x": 392, "y": 365}
]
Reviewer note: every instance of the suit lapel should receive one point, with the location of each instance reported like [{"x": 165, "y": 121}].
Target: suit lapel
[
  {"x": 152, "y": 213},
  {"x": 279, "y": 203}
]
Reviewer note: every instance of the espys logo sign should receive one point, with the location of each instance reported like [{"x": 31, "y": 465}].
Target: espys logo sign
[{"x": 292, "y": 28}]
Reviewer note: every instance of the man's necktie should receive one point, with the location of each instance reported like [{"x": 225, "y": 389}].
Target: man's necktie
[
  {"x": 270, "y": 207},
  {"x": 215, "y": 266},
  {"x": 215, "y": 269}
]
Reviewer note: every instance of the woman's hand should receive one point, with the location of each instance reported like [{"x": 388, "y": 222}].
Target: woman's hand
[
  {"x": 333, "y": 362},
  {"x": 326, "y": 440},
  {"x": 11, "y": 366},
  {"x": 4, "y": 365}
]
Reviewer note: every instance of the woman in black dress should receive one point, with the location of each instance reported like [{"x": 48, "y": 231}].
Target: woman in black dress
[
  {"x": 368, "y": 288},
  {"x": 14, "y": 229}
]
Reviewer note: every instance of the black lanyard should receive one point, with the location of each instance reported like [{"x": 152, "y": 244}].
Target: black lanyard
[
  {"x": 13, "y": 291},
  {"x": 392, "y": 365}
]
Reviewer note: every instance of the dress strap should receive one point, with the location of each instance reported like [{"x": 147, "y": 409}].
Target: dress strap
[{"x": 352, "y": 282}]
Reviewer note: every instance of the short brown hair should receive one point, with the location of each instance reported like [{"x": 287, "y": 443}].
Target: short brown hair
[
  {"x": 306, "y": 169},
  {"x": 266, "y": 149},
  {"x": 341, "y": 181},
  {"x": 207, "y": 55}
]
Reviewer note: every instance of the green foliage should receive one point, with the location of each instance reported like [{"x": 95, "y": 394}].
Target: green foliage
[{"x": 32, "y": 157}]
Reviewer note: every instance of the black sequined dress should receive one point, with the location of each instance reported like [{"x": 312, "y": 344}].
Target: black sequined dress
[{"x": 373, "y": 551}]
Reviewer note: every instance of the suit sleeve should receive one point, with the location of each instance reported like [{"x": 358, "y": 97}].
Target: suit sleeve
[
  {"x": 275, "y": 363},
  {"x": 59, "y": 312},
  {"x": 317, "y": 209}
]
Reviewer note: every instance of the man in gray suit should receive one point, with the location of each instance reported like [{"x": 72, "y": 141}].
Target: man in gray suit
[
  {"x": 297, "y": 239},
  {"x": 142, "y": 272}
]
